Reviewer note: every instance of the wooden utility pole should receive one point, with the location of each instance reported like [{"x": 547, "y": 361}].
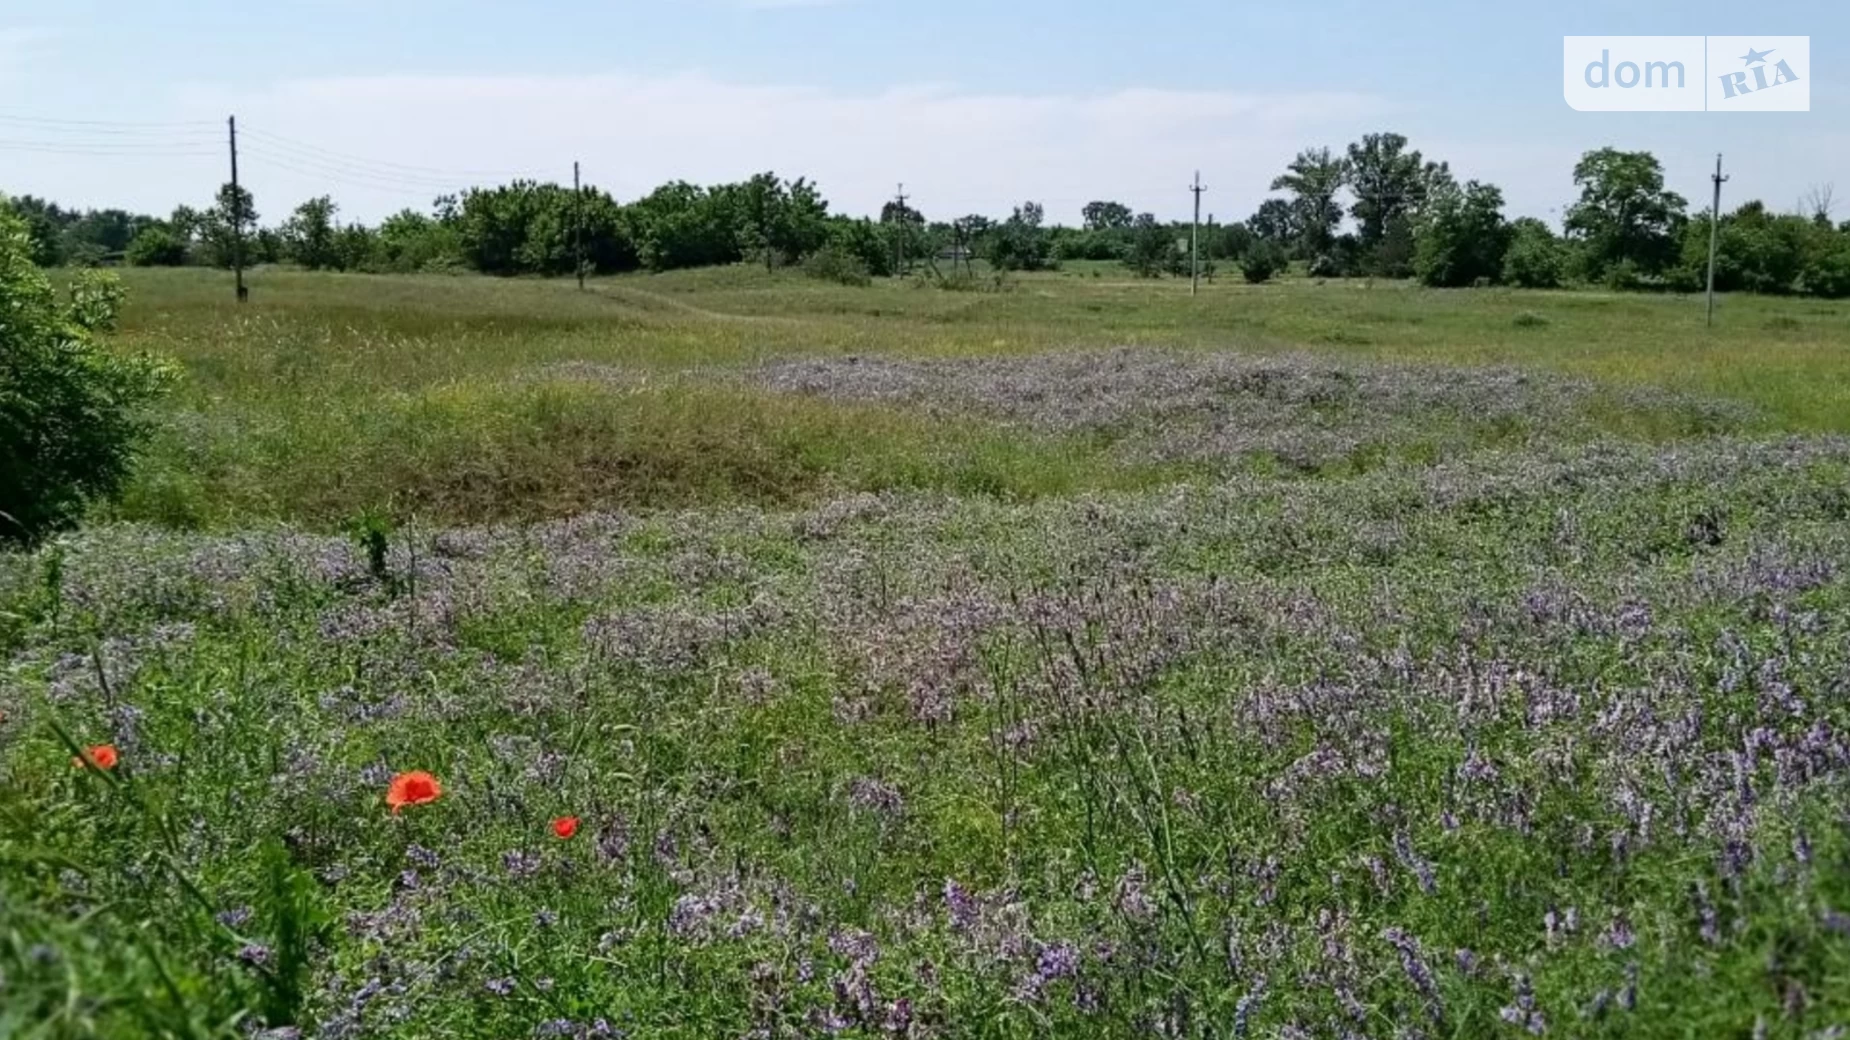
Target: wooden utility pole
[
  {"x": 578, "y": 226},
  {"x": 1194, "y": 239},
  {"x": 237, "y": 216},
  {"x": 899, "y": 237},
  {"x": 1715, "y": 226}
]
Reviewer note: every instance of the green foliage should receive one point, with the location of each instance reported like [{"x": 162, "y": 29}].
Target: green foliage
[
  {"x": 1071, "y": 244},
  {"x": 1756, "y": 251},
  {"x": 1263, "y": 260},
  {"x": 1827, "y": 274},
  {"x": 1020, "y": 243},
  {"x": 156, "y": 246},
  {"x": 1463, "y": 236},
  {"x": 865, "y": 241},
  {"x": 1153, "y": 249},
  {"x": 1106, "y": 216},
  {"x": 1624, "y": 214},
  {"x": 1314, "y": 178},
  {"x": 1536, "y": 258},
  {"x": 309, "y": 236},
  {"x": 1276, "y": 221},
  {"x": 71, "y": 412},
  {"x": 836, "y": 263},
  {"x": 1390, "y": 185}
]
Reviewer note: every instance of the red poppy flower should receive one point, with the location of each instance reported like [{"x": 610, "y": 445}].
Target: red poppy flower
[
  {"x": 102, "y": 756},
  {"x": 565, "y": 827},
  {"x": 414, "y": 788}
]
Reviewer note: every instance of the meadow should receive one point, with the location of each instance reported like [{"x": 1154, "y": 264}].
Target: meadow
[{"x": 1080, "y": 659}]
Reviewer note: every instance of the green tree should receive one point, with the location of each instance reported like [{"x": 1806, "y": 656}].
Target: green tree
[
  {"x": 1314, "y": 178},
  {"x": 1152, "y": 247},
  {"x": 1624, "y": 214},
  {"x": 1535, "y": 258},
  {"x": 219, "y": 228},
  {"x": 1020, "y": 243},
  {"x": 1462, "y": 236},
  {"x": 155, "y": 246},
  {"x": 71, "y": 411},
  {"x": 1107, "y": 216},
  {"x": 1279, "y": 222},
  {"x": 309, "y": 235},
  {"x": 1388, "y": 182},
  {"x": 1263, "y": 259}
]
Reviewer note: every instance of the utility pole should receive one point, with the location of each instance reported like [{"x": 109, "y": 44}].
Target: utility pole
[
  {"x": 1194, "y": 239},
  {"x": 237, "y": 216},
  {"x": 1715, "y": 227},
  {"x": 899, "y": 238},
  {"x": 1210, "y": 246},
  {"x": 578, "y": 226}
]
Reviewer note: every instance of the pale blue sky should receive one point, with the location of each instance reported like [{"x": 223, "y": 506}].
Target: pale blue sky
[{"x": 972, "y": 104}]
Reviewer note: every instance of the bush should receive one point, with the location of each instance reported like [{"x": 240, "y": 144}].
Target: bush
[
  {"x": 833, "y": 263},
  {"x": 1261, "y": 262},
  {"x": 1535, "y": 259},
  {"x": 1828, "y": 274},
  {"x": 71, "y": 412},
  {"x": 155, "y": 247}
]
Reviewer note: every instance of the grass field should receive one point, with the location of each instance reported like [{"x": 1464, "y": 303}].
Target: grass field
[
  {"x": 1077, "y": 660},
  {"x": 469, "y": 400}
]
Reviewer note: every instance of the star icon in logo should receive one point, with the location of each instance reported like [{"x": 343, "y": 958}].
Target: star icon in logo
[{"x": 1754, "y": 57}]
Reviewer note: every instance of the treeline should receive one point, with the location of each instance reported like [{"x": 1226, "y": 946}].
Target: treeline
[{"x": 1378, "y": 208}]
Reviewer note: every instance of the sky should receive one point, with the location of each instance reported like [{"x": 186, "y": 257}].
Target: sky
[{"x": 974, "y": 105}]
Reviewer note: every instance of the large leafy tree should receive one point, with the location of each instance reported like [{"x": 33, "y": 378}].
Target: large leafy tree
[
  {"x": 1106, "y": 216},
  {"x": 1152, "y": 246},
  {"x": 1020, "y": 243},
  {"x": 1462, "y": 236},
  {"x": 1314, "y": 179},
  {"x": 1277, "y": 222},
  {"x": 309, "y": 235},
  {"x": 1624, "y": 214},
  {"x": 1389, "y": 182}
]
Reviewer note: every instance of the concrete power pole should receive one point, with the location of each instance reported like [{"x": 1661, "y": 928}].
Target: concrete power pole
[
  {"x": 237, "y": 216},
  {"x": 899, "y": 235},
  {"x": 1194, "y": 239},
  {"x": 578, "y": 227},
  {"x": 1715, "y": 227}
]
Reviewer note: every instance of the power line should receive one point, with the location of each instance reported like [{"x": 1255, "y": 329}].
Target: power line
[
  {"x": 115, "y": 148},
  {"x": 98, "y": 125},
  {"x": 345, "y": 179},
  {"x": 331, "y": 170},
  {"x": 307, "y": 150}
]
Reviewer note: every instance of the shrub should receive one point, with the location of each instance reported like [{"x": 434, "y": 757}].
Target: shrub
[
  {"x": 1828, "y": 274},
  {"x": 1261, "y": 262},
  {"x": 1535, "y": 259},
  {"x": 71, "y": 412},
  {"x": 155, "y": 247},
  {"x": 833, "y": 263}
]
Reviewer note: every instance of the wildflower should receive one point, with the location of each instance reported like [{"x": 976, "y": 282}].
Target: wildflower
[
  {"x": 102, "y": 756},
  {"x": 564, "y": 827},
  {"x": 413, "y": 788}
]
